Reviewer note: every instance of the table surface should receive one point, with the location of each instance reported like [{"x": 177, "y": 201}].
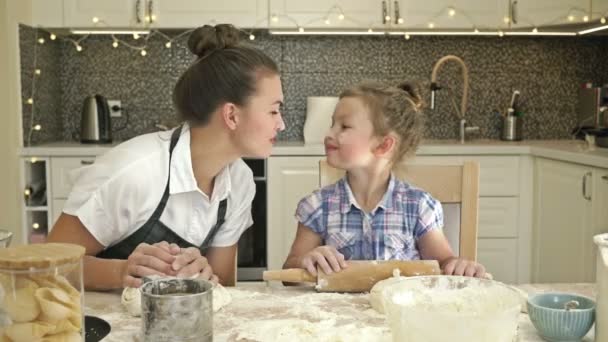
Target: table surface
[{"x": 257, "y": 309}]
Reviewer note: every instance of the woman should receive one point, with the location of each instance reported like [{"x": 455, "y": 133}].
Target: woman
[{"x": 175, "y": 203}]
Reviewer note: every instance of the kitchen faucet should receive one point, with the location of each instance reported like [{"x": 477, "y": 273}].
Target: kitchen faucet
[{"x": 465, "y": 91}]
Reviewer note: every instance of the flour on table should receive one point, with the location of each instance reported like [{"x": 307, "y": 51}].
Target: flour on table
[{"x": 131, "y": 299}]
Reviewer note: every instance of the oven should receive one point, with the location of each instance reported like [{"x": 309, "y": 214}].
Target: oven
[{"x": 252, "y": 244}]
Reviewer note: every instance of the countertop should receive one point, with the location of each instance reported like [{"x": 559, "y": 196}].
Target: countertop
[
  {"x": 574, "y": 151},
  {"x": 260, "y": 310}
]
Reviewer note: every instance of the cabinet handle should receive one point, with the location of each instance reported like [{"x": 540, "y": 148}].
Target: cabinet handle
[
  {"x": 137, "y": 11},
  {"x": 151, "y": 11},
  {"x": 605, "y": 178},
  {"x": 514, "y": 12},
  {"x": 384, "y": 12},
  {"x": 87, "y": 162},
  {"x": 588, "y": 198},
  {"x": 397, "y": 14}
]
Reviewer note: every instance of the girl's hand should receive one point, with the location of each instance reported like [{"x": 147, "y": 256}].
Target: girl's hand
[
  {"x": 327, "y": 257},
  {"x": 461, "y": 267}
]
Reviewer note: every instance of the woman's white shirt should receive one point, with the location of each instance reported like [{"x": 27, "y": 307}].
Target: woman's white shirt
[{"x": 117, "y": 194}]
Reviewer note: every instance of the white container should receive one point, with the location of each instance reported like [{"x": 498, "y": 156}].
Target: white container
[
  {"x": 452, "y": 308},
  {"x": 319, "y": 110},
  {"x": 601, "y": 308}
]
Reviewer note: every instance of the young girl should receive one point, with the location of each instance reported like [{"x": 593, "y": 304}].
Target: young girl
[
  {"x": 175, "y": 203},
  {"x": 369, "y": 214}
]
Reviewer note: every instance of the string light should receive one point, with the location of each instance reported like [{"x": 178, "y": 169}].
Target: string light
[
  {"x": 153, "y": 17},
  {"x": 476, "y": 30},
  {"x": 501, "y": 34},
  {"x": 387, "y": 18},
  {"x": 78, "y": 48},
  {"x": 341, "y": 16},
  {"x": 95, "y": 20},
  {"x": 571, "y": 17},
  {"x": 147, "y": 18},
  {"x": 33, "y": 160},
  {"x": 274, "y": 18},
  {"x": 115, "y": 44},
  {"x": 136, "y": 36},
  {"x": 168, "y": 45},
  {"x": 27, "y": 192},
  {"x": 35, "y": 225},
  {"x": 38, "y": 71},
  {"x": 251, "y": 37},
  {"x": 37, "y": 127},
  {"x": 370, "y": 30},
  {"x": 300, "y": 29},
  {"x": 451, "y": 12},
  {"x": 143, "y": 52},
  {"x": 431, "y": 25},
  {"x": 586, "y": 18},
  {"x": 53, "y": 36},
  {"x": 407, "y": 36},
  {"x": 30, "y": 101},
  {"x": 535, "y": 30},
  {"x": 603, "y": 20},
  {"x": 400, "y": 21},
  {"x": 41, "y": 40},
  {"x": 327, "y": 22},
  {"x": 506, "y": 20}
]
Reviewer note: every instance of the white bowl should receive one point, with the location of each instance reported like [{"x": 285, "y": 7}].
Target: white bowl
[{"x": 452, "y": 308}]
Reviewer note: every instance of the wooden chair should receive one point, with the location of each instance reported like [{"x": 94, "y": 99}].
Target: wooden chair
[{"x": 455, "y": 186}]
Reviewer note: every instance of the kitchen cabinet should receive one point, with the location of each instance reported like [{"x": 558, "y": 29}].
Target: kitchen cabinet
[
  {"x": 570, "y": 207},
  {"x": 289, "y": 180},
  {"x": 463, "y": 14},
  {"x": 503, "y": 229},
  {"x": 322, "y": 14},
  {"x": 550, "y": 12},
  {"x": 111, "y": 13},
  {"x": 194, "y": 13}
]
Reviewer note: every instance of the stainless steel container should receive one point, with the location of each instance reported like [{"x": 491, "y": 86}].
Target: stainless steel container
[
  {"x": 177, "y": 310},
  {"x": 512, "y": 128}
]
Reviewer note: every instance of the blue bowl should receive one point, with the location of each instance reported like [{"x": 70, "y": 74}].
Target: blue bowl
[{"x": 554, "y": 322}]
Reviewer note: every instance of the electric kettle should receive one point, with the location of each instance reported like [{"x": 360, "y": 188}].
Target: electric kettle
[{"x": 95, "y": 124}]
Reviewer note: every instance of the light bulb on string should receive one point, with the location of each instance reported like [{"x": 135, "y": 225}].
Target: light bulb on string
[
  {"x": 95, "y": 20},
  {"x": 78, "y": 48},
  {"x": 400, "y": 21},
  {"x": 451, "y": 12},
  {"x": 603, "y": 20},
  {"x": 115, "y": 44},
  {"x": 33, "y": 160},
  {"x": 369, "y": 30},
  {"x": 501, "y": 34},
  {"x": 327, "y": 22},
  {"x": 153, "y": 17},
  {"x": 586, "y": 18},
  {"x": 571, "y": 17},
  {"x": 407, "y": 36},
  {"x": 341, "y": 16},
  {"x": 38, "y": 71},
  {"x": 30, "y": 101},
  {"x": 476, "y": 30},
  {"x": 143, "y": 52},
  {"x": 431, "y": 25},
  {"x": 135, "y": 36},
  {"x": 506, "y": 20},
  {"x": 41, "y": 40},
  {"x": 535, "y": 30},
  {"x": 53, "y": 36},
  {"x": 37, "y": 127},
  {"x": 300, "y": 29},
  {"x": 251, "y": 37},
  {"x": 35, "y": 225},
  {"x": 387, "y": 18},
  {"x": 274, "y": 18},
  {"x": 27, "y": 192},
  {"x": 168, "y": 45}
]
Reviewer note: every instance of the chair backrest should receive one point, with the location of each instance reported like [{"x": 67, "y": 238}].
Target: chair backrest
[{"x": 455, "y": 186}]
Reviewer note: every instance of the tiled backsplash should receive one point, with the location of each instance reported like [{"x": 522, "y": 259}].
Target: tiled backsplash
[{"x": 546, "y": 70}]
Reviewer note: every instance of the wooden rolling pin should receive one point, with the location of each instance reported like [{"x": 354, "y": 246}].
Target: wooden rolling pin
[{"x": 359, "y": 276}]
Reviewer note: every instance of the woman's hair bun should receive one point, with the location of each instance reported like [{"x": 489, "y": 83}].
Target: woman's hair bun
[
  {"x": 413, "y": 91},
  {"x": 207, "y": 39}
]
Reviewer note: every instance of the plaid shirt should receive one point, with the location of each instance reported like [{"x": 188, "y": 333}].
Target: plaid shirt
[{"x": 389, "y": 231}]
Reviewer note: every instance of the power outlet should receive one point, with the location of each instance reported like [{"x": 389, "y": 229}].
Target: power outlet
[{"x": 115, "y": 104}]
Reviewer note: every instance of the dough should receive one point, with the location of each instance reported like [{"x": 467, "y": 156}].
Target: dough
[
  {"x": 32, "y": 331},
  {"x": 378, "y": 292},
  {"x": 131, "y": 299},
  {"x": 20, "y": 303},
  {"x": 55, "y": 304},
  {"x": 63, "y": 337}
]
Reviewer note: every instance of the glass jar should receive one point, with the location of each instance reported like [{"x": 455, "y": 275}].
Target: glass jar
[{"x": 41, "y": 293}]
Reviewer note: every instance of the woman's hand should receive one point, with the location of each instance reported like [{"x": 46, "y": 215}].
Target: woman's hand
[
  {"x": 461, "y": 267},
  {"x": 147, "y": 260},
  {"x": 190, "y": 263},
  {"x": 327, "y": 257}
]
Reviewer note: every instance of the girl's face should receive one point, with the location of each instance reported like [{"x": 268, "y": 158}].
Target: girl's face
[
  {"x": 261, "y": 119},
  {"x": 350, "y": 141}
]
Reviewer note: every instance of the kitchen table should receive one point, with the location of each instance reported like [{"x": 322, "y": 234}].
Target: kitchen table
[{"x": 258, "y": 310}]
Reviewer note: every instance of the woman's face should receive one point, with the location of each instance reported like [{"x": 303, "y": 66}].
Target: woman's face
[{"x": 261, "y": 119}]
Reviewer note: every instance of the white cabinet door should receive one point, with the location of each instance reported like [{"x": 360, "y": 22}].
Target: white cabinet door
[
  {"x": 498, "y": 217},
  {"x": 499, "y": 256},
  {"x": 289, "y": 180},
  {"x": 194, "y": 13},
  {"x": 111, "y": 13},
  {"x": 599, "y": 204},
  {"x": 562, "y": 233},
  {"x": 315, "y": 13},
  {"x": 449, "y": 14},
  {"x": 549, "y": 12}
]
